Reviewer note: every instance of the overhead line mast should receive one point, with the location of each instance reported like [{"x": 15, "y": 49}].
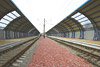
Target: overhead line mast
[{"x": 44, "y": 28}]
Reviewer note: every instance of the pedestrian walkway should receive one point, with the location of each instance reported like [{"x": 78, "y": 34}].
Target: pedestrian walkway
[{"x": 50, "y": 54}]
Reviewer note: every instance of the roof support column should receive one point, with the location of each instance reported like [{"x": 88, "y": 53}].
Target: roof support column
[
  {"x": 4, "y": 34},
  {"x": 81, "y": 34},
  {"x": 13, "y": 34},
  {"x": 73, "y": 34},
  {"x": 16, "y": 35},
  {"x": 7, "y": 34},
  {"x": 96, "y": 30},
  {"x": 68, "y": 34},
  {"x": 64, "y": 34},
  {"x": 98, "y": 37},
  {"x": 96, "y": 34}
]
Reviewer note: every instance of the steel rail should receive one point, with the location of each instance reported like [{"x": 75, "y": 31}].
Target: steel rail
[
  {"x": 7, "y": 47},
  {"x": 88, "y": 52},
  {"x": 10, "y": 55}
]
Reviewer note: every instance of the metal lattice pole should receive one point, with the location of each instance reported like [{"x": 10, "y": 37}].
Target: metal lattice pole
[{"x": 44, "y": 28}]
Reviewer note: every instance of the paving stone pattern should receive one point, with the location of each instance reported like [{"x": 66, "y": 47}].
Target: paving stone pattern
[{"x": 50, "y": 54}]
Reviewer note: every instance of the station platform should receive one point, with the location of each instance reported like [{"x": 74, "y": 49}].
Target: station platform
[
  {"x": 82, "y": 40},
  {"x": 7, "y": 41},
  {"x": 50, "y": 54}
]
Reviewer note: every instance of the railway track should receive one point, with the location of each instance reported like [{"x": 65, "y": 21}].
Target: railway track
[
  {"x": 10, "y": 54},
  {"x": 89, "y": 52}
]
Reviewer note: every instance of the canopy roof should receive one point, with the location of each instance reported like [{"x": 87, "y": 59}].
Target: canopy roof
[
  {"x": 86, "y": 17},
  {"x": 12, "y": 19}
]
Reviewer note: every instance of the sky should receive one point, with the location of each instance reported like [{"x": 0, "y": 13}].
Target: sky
[{"x": 53, "y": 11}]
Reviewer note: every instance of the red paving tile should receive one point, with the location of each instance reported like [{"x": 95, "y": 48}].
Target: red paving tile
[{"x": 49, "y": 54}]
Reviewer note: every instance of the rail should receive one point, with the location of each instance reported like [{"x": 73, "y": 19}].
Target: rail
[
  {"x": 10, "y": 54},
  {"x": 88, "y": 51}
]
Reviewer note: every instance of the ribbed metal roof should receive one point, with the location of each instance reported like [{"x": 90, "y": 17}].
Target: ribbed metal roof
[
  {"x": 12, "y": 19},
  {"x": 88, "y": 18}
]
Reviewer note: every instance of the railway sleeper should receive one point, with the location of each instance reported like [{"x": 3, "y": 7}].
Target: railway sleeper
[
  {"x": 79, "y": 45},
  {"x": 11, "y": 48},
  {"x": 10, "y": 61},
  {"x": 89, "y": 55},
  {"x": 95, "y": 51}
]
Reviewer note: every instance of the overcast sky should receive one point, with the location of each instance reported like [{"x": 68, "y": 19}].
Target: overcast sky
[{"x": 52, "y": 10}]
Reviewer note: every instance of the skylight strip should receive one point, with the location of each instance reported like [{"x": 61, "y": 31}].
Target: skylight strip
[
  {"x": 82, "y": 19},
  {"x": 77, "y": 15},
  {"x": 11, "y": 15},
  {"x": 1, "y": 27},
  {"x": 15, "y": 13},
  {"x": 5, "y": 19},
  {"x": 84, "y": 23},
  {"x": 3, "y": 23},
  {"x": 8, "y": 18}
]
